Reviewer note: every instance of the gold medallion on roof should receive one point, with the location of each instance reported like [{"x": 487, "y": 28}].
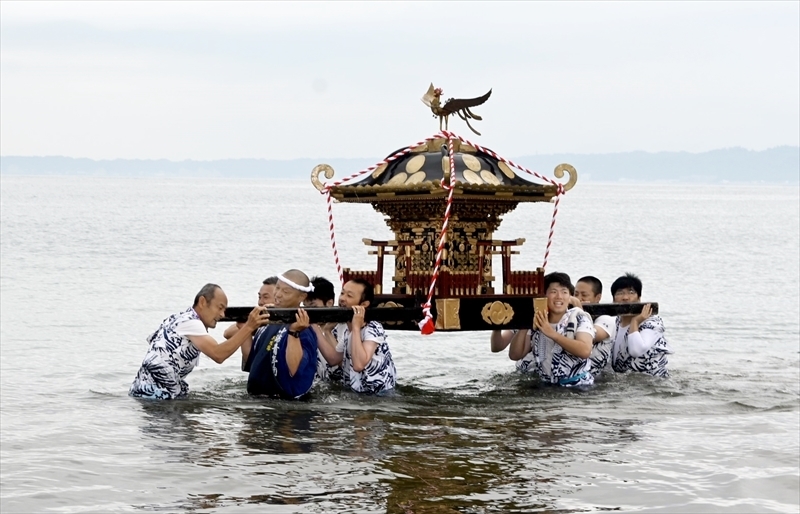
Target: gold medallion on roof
[
  {"x": 471, "y": 162},
  {"x": 507, "y": 171},
  {"x": 416, "y": 178},
  {"x": 446, "y": 165},
  {"x": 472, "y": 177},
  {"x": 398, "y": 180},
  {"x": 490, "y": 178},
  {"x": 415, "y": 163},
  {"x": 379, "y": 170}
]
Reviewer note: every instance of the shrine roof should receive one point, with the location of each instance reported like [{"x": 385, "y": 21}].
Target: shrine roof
[{"x": 421, "y": 170}]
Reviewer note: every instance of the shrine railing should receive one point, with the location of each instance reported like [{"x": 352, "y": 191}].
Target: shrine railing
[
  {"x": 451, "y": 283},
  {"x": 525, "y": 283},
  {"x": 370, "y": 276}
]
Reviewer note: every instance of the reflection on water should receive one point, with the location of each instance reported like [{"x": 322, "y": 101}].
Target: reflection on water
[{"x": 415, "y": 452}]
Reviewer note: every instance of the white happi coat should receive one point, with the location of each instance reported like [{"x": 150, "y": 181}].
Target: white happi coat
[
  {"x": 554, "y": 364},
  {"x": 654, "y": 361},
  {"x": 380, "y": 373}
]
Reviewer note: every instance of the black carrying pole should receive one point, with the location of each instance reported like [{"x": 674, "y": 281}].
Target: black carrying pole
[
  {"x": 406, "y": 318},
  {"x": 328, "y": 314},
  {"x": 617, "y": 309}
]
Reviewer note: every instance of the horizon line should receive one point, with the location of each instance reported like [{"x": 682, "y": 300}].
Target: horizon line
[{"x": 373, "y": 157}]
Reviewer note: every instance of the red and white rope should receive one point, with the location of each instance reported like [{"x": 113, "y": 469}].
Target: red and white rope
[
  {"x": 326, "y": 190},
  {"x": 426, "y": 325},
  {"x": 329, "y": 200},
  {"x": 559, "y": 186},
  {"x": 387, "y": 160}
]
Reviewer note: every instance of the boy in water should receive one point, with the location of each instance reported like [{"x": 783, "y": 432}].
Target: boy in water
[
  {"x": 639, "y": 344},
  {"x": 589, "y": 289},
  {"x": 560, "y": 345}
]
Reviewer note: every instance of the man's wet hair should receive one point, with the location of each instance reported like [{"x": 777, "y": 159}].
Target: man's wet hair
[
  {"x": 597, "y": 286},
  {"x": 627, "y": 281},
  {"x": 207, "y": 291},
  {"x": 369, "y": 291},
  {"x": 323, "y": 290},
  {"x": 271, "y": 281},
  {"x": 559, "y": 278}
]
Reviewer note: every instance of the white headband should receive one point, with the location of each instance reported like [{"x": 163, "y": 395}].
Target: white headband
[{"x": 306, "y": 289}]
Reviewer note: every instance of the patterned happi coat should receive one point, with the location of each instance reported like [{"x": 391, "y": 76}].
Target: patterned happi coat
[
  {"x": 554, "y": 364},
  {"x": 601, "y": 350},
  {"x": 380, "y": 374},
  {"x": 326, "y": 372},
  {"x": 169, "y": 359},
  {"x": 654, "y": 361}
]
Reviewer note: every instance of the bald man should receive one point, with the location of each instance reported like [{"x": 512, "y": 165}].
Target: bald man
[
  {"x": 282, "y": 359},
  {"x": 174, "y": 349}
]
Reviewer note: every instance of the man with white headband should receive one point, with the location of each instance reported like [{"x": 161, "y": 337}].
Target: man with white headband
[{"x": 282, "y": 359}]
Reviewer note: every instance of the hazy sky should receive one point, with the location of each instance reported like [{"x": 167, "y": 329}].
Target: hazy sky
[{"x": 285, "y": 80}]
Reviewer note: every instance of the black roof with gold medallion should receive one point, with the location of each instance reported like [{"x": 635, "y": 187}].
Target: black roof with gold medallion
[{"x": 421, "y": 170}]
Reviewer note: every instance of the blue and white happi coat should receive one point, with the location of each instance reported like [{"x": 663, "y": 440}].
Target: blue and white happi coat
[
  {"x": 654, "y": 361},
  {"x": 169, "y": 359},
  {"x": 380, "y": 374},
  {"x": 554, "y": 364}
]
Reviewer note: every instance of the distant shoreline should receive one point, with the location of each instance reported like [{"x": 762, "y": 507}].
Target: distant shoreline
[
  {"x": 306, "y": 180},
  {"x": 780, "y": 165}
]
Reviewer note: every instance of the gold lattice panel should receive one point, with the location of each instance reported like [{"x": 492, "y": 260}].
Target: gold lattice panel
[
  {"x": 461, "y": 251},
  {"x": 430, "y": 209}
]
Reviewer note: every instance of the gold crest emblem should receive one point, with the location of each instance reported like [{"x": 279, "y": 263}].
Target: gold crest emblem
[{"x": 497, "y": 313}]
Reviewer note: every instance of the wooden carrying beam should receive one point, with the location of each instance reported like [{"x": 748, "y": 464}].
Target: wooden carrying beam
[
  {"x": 488, "y": 312},
  {"x": 329, "y": 314}
]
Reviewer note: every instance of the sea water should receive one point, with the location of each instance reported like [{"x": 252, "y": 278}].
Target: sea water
[{"x": 89, "y": 266}]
